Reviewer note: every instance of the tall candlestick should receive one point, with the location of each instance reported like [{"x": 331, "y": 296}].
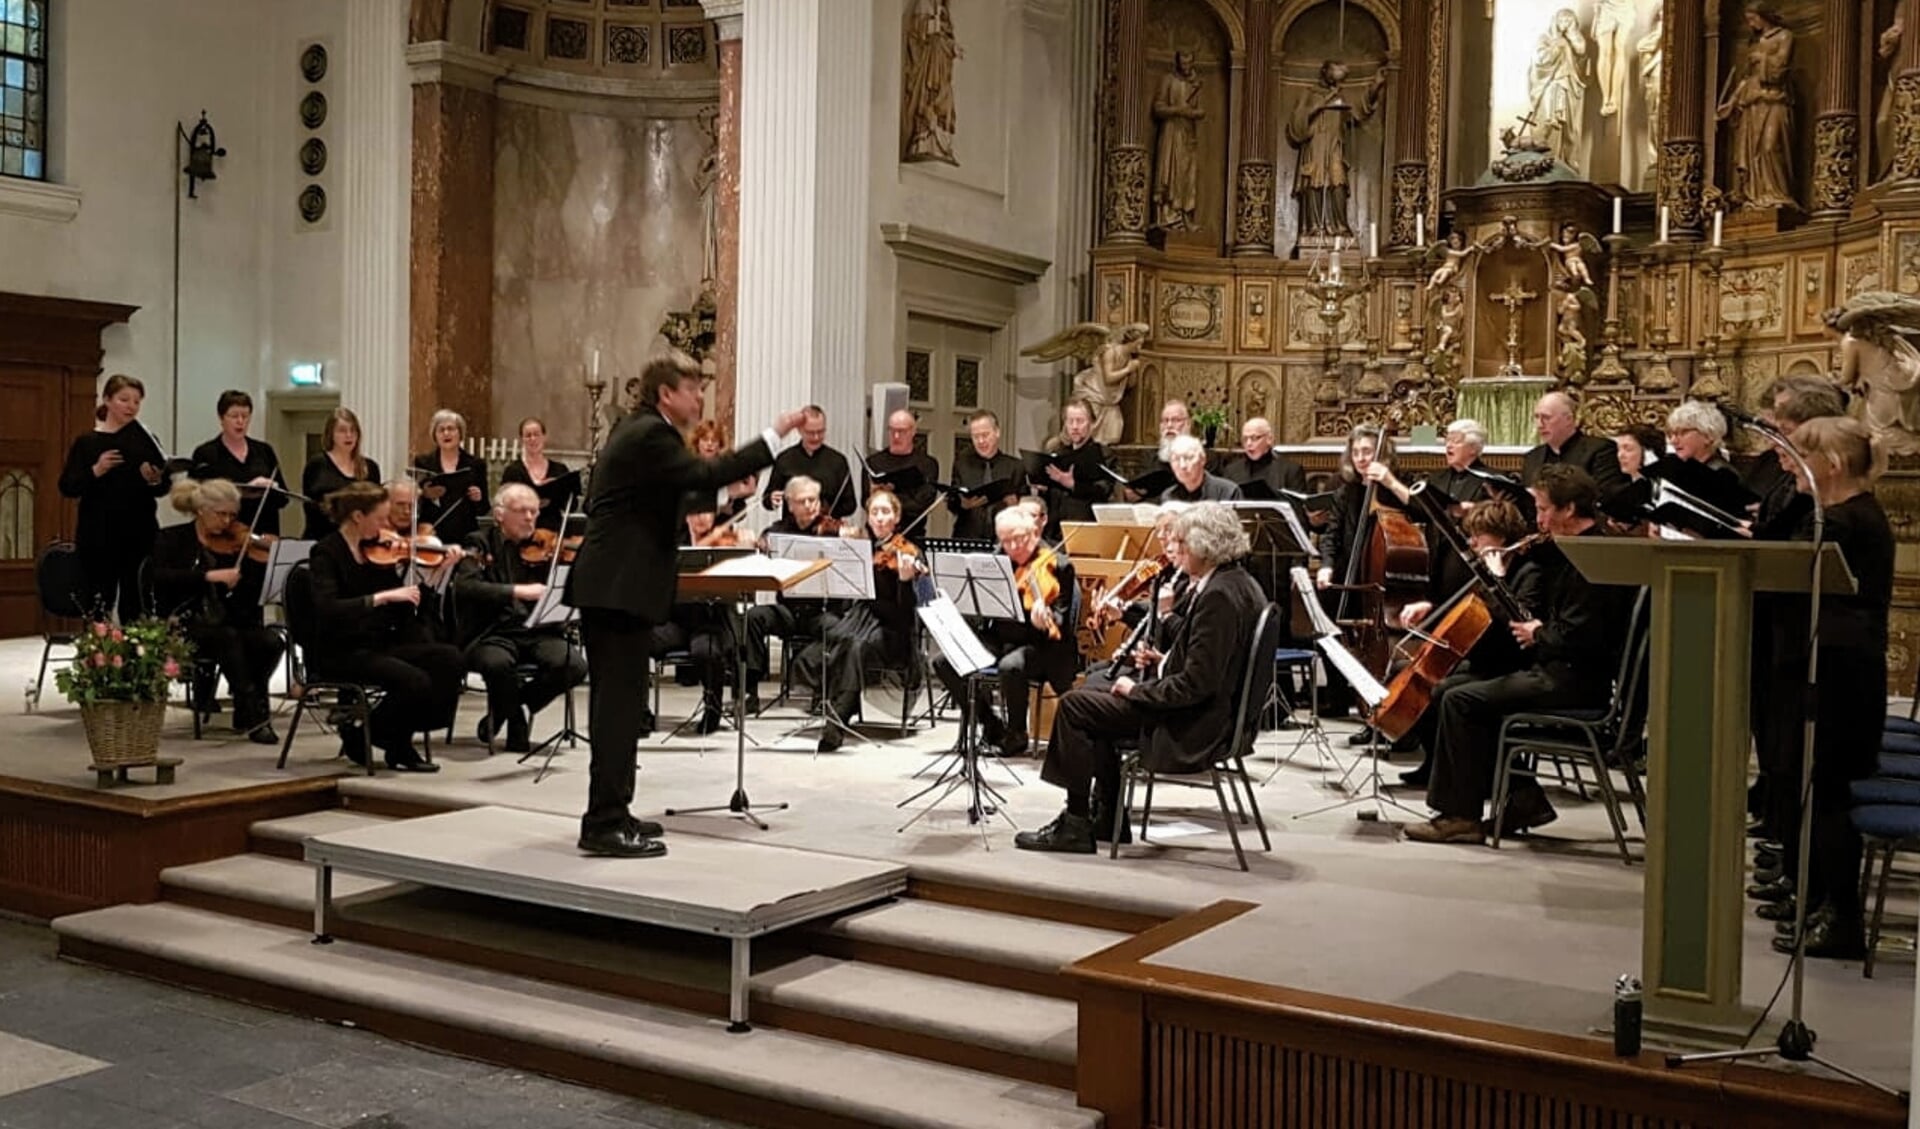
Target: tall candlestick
[
  {"x": 596, "y": 364},
  {"x": 1617, "y": 201},
  {"x": 1419, "y": 229},
  {"x": 1718, "y": 215},
  {"x": 1665, "y": 215},
  {"x": 1373, "y": 240}
]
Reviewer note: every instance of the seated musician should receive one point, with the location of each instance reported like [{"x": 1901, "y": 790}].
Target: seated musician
[
  {"x": 867, "y": 633},
  {"x": 1154, "y": 619},
  {"x": 804, "y": 517},
  {"x": 1191, "y": 482},
  {"x": 1491, "y": 527},
  {"x": 1570, "y": 654},
  {"x": 1182, "y": 713},
  {"x": 201, "y": 576},
  {"x": 1043, "y": 645},
  {"x": 404, "y": 520},
  {"x": 496, "y": 590},
  {"x": 367, "y": 630},
  {"x": 1364, "y": 464},
  {"x": 700, "y": 628}
]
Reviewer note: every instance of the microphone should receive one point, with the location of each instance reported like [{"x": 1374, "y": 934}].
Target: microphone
[{"x": 1746, "y": 418}]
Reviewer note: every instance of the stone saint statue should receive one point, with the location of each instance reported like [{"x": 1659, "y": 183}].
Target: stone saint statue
[
  {"x": 1557, "y": 90},
  {"x": 1176, "y": 161},
  {"x": 1883, "y": 140},
  {"x": 926, "y": 102},
  {"x": 1110, "y": 356},
  {"x": 1758, "y": 110},
  {"x": 1878, "y": 361},
  {"x": 1613, "y": 22},
  {"x": 1319, "y": 129},
  {"x": 1653, "y": 55}
]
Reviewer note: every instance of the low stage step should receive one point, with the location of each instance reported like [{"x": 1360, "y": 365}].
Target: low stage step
[
  {"x": 276, "y": 884},
  {"x": 588, "y": 1036},
  {"x": 983, "y": 946},
  {"x": 284, "y": 837}
]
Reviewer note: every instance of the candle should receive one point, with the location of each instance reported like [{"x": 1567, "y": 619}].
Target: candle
[
  {"x": 1333, "y": 272},
  {"x": 1419, "y": 229},
  {"x": 596, "y": 364},
  {"x": 1617, "y": 201},
  {"x": 1665, "y": 215},
  {"x": 1373, "y": 240},
  {"x": 1718, "y": 215}
]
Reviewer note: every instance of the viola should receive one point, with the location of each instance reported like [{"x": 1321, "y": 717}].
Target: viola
[
  {"x": 1138, "y": 581},
  {"x": 391, "y": 549},
  {"x": 1040, "y": 585},
  {"x": 546, "y": 546},
  {"x": 889, "y": 553},
  {"x": 237, "y": 540}
]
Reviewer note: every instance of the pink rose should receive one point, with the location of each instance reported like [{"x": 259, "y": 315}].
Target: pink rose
[
  {"x": 172, "y": 669},
  {"x": 119, "y": 636},
  {"x": 99, "y": 659},
  {"x": 100, "y": 630},
  {"x": 118, "y": 661}
]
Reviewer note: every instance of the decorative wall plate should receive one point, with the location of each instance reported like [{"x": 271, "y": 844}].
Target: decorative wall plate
[
  {"x": 313, "y": 203},
  {"x": 313, "y": 62},
  {"x": 313, "y": 156},
  {"x": 313, "y": 110}
]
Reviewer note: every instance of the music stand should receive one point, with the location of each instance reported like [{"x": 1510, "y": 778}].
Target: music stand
[
  {"x": 1371, "y": 692},
  {"x": 969, "y": 658},
  {"x": 1315, "y": 730},
  {"x": 691, "y": 559},
  {"x": 282, "y": 556},
  {"x": 848, "y": 576},
  {"x": 739, "y": 581},
  {"x": 551, "y": 609},
  {"x": 980, "y": 585}
]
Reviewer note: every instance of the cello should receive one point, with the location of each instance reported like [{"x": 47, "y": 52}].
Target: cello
[{"x": 1387, "y": 562}]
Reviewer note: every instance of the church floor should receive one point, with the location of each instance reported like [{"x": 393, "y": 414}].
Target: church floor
[{"x": 81, "y": 1047}]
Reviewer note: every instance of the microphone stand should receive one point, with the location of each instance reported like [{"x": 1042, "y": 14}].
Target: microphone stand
[{"x": 1795, "y": 1043}]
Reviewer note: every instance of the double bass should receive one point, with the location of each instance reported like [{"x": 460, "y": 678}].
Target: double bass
[{"x": 1387, "y": 564}]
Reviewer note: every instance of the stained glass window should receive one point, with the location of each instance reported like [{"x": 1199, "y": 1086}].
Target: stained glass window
[{"x": 23, "y": 88}]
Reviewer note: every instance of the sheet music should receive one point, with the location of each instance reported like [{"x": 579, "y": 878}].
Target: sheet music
[
  {"x": 1113, "y": 513},
  {"x": 1364, "y": 683},
  {"x": 980, "y": 584},
  {"x": 757, "y": 565},
  {"x": 849, "y": 571},
  {"x": 1323, "y": 625},
  {"x": 948, "y": 629},
  {"x": 282, "y": 555},
  {"x": 552, "y": 607}
]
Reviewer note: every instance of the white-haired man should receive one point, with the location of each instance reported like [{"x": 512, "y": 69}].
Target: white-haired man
[
  {"x": 494, "y": 592},
  {"x": 1182, "y": 716},
  {"x": 1191, "y": 482}
]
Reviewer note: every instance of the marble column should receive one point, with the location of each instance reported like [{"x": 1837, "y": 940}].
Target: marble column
[
  {"x": 1836, "y": 129},
  {"x": 1123, "y": 167},
  {"x": 1253, "y": 178},
  {"x": 806, "y": 88},
  {"x": 726, "y": 18},
  {"x": 452, "y": 236},
  {"x": 1411, "y": 178},
  {"x": 1683, "y": 153},
  {"x": 1906, "y": 98},
  {"x": 376, "y": 116}
]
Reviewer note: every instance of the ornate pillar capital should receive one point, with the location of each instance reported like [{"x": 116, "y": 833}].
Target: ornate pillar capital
[{"x": 725, "y": 15}]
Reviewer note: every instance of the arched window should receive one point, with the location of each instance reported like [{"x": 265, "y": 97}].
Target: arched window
[{"x": 23, "y": 88}]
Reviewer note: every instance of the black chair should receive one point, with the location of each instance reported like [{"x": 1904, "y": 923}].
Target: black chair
[
  {"x": 61, "y": 587},
  {"x": 353, "y": 700},
  {"x": 1228, "y": 772},
  {"x": 199, "y": 674},
  {"x": 1586, "y": 738}
]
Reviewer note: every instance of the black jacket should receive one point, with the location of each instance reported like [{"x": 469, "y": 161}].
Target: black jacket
[
  {"x": 455, "y": 516},
  {"x": 636, "y": 511},
  {"x": 178, "y": 577},
  {"x": 913, "y": 502},
  {"x": 259, "y": 509},
  {"x": 1590, "y": 453},
  {"x": 321, "y": 478},
  {"x": 1277, "y": 471},
  {"x": 483, "y": 588},
  {"x": 1213, "y": 488},
  {"x": 345, "y": 618},
  {"x": 969, "y": 469},
  {"x": 1089, "y": 486},
  {"x": 1192, "y": 706},
  {"x": 116, "y": 508}
]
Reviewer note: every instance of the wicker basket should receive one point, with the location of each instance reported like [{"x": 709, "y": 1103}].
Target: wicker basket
[{"x": 123, "y": 732}]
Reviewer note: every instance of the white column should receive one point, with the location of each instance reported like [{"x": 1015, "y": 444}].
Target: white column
[
  {"x": 806, "y": 87},
  {"x": 376, "y": 108}
]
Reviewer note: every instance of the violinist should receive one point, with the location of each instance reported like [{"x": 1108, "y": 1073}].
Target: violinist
[
  {"x": 1570, "y": 653},
  {"x": 1154, "y": 618},
  {"x": 709, "y": 440},
  {"x": 1042, "y": 646},
  {"x": 339, "y": 462},
  {"x": 116, "y": 471},
  {"x": 788, "y": 617},
  {"x": 453, "y": 489},
  {"x": 248, "y": 463},
  {"x": 867, "y": 633},
  {"x": 203, "y": 575},
  {"x": 533, "y": 468},
  {"x": 365, "y": 631},
  {"x": 495, "y": 590},
  {"x": 434, "y": 565}
]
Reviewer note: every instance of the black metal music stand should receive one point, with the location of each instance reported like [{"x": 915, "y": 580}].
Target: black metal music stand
[
  {"x": 552, "y": 609},
  {"x": 963, "y": 651}
]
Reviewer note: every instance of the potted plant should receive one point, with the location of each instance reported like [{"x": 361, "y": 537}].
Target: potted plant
[
  {"x": 1211, "y": 421},
  {"x": 119, "y": 678}
]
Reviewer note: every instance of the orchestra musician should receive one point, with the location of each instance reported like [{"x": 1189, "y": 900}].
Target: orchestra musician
[
  {"x": 534, "y": 468},
  {"x": 496, "y": 589},
  {"x": 700, "y": 628},
  {"x": 1571, "y": 653},
  {"x": 367, "y": 630},
  {"x": 984, "y": 465},
  {"x": 900, "y": 453},
  {"x": 1191, "y": 482},
  {"x": 867, "y": 633},
  {"x": 1563, "y": 441},
  {"x": 624, "y": 578},
  {"x": 246, "y": 462},
  {"x": 812, "y": 458},
  {"x": 1165, "y": 602},
  {"x": 787, "y": 617},
  {"x": 1256, "y": 461},
  {"x": 116, "y": 471},
  {"x": 1175, "y": 421},
  {"x": 451, "y": 505},
  {"x": 1181, "y": 711},
  {"x": 709, "y": 441},
  {"x": 1851, "y": 704},
  {"x": 1073, "y": 489},
  {"x": 203, "y": 576},
  {"x": 1042, "y": 646},
  {"x": 339, "y": 462},
  {"x": 1366, "y": 449}
]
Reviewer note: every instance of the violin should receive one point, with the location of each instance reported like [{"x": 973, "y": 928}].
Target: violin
[
  {"x": 722, "y": 535},
  {"x": 237, "y": 540},
  {"x": 1040, "y": 585},
  {"x": 890, "y": 553},
  {"x": 546, "y": 546},
  {"x": 391, "y": 549},
  {"x": 1136, "y": 583}
]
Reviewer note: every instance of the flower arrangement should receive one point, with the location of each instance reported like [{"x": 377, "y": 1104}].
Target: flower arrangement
[
  {"x": 1209, "y": 421},
  {"x": 124, "y": 664}
]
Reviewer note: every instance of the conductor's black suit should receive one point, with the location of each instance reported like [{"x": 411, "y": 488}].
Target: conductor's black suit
[{"x": 623, "y": 582}]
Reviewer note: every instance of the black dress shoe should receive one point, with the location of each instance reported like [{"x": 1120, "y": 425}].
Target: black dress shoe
[
  {"x": 1068, "y": 834},
  {"x": 1526, "y": 810},
  {"x": 1360, "y": 738},
  {"x": 1833, "y": 938},
  {"x": 1766, "y": 877},
  {"x": 623, "y": 842},
  {"x": 1015, "y": 745},
  {"x": 353, "y": 746},
  {"x": 646, "y": 828},
  {"x": 410, "y": 761},
  {"x": 1766, "y": 860},
  {"x": 710, "y": 717},
  {"x": 831, "y": 738},
  {"x": 1778, "y": 890},
  {"x": 1775, "y": 911},
  {"x": 1417, "y": 777},
  {"x": 263, "y": 734},
  {"x": 1103, "y": 827}
]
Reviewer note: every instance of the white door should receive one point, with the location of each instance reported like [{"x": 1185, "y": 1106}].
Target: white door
[{"x": 949, "y": 376}]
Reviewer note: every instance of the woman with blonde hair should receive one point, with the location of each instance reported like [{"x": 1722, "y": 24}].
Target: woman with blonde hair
[
  {"x": 453, "y": 483},
  {"x": 340, "y": 462}
]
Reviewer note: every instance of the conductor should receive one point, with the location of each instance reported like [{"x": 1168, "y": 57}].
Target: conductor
[{"x": 623, "y": 579}]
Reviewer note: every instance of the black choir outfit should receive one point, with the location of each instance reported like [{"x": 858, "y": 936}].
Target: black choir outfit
[
  {"x": 1275, "y": 471},
  {"x": 454, "y": 515},
  {"x": 1212, "y": 488},
  {"x": 384, "y": 646},
  {"x": 1591, "y": 453},
  {"x": 118, "y": 516},
  {"x": 1025, "y": 654},
  {"x": 824, "y": 465},
  {"x": 969, "y": 469},
  {"x": 259, "y": 509},
  {"x": 499, "y": 642},
  {"x": 1090, "y": 486},
  {"x": 553, "y": 509},
  {"x": 224, "y": 623},
  {"x": 321, "y": 477},
  {"x": 913, "y": 502}
]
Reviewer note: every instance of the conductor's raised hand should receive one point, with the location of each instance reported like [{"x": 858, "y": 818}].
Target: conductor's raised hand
[{"x": 785, "y": 423}]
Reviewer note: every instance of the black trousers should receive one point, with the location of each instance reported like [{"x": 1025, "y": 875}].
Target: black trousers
[
  {"x": 854, "y": 642},
  {"x": 112, "y": 576},
  {"x": 1018, "y": 669},
  {"x": 1426, "y": 730},
  {"x": 619, "y": 645},
  {"x": 764, "y": 621},
  {"x": 422, "y": 684},
  {"x": 707, "y": 638},
  {"x": 1469, "y": 729},
  {"x": 495, "y": 657},
  {"x": 246, "y": 655},
  {"x": 1082, "y": 754}
]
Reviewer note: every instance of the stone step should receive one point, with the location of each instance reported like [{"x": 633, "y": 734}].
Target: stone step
[
  {"x": 979, "y": 945},
  {"x": 276, "y": 884},
  {"x": 578, "y": 1032},
  {"x": 284, "y": 838}
]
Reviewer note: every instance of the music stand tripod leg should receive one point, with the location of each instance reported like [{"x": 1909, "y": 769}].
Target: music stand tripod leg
[{"x": 739, "y": 805}]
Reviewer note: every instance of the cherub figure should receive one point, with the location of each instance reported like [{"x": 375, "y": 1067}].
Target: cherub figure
[
  {"x": 1110, "y": 356},
  {"x": 1572, "y": 247},
  {"x": 1451, "y": 316},
  {"x": 1570, "y": 331},
  {"x": 1453, "y": 255},
  {"x": 1879, "y": 362}
]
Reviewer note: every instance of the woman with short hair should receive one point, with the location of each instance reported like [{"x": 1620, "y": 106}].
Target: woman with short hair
[{"x": 453, "y": 483}]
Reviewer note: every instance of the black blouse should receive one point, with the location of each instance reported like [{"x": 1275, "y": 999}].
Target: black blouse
[
  {"x": 346, "y": 619},
  {"x": 553, "y": 505},
  {"x": 116, "y": 508},
  {"x": 212, "y": 460},
  {"x": 454, "y": 516},
  {"x": 180, "y": 586},
  {"x": 321, "y": 478}
]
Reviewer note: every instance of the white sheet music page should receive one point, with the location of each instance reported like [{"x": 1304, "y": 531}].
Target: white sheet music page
[
  {"x": 760, "y": 566},
  {"x": 1323, "y": 624},
  {"x": 1364, "y": 683},
  {"x": 948, "y": 629}
]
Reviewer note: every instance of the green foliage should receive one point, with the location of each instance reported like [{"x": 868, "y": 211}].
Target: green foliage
[
  {"x": 130, "y": 664},
  {"x": 1212, "y": 416}
]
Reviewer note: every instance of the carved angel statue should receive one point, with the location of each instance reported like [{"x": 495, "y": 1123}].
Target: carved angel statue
[
  {"x": 1111, "y": 356},
  {"x": 1878, "y": 361},
  {"x": 1448, "y": 321},
  {"x": 1452, "y": 256},
  {"x": 1572, "y": 247},
  {"x": 1570, "y": 335}
]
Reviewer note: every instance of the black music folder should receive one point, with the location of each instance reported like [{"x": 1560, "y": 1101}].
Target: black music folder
[
  {"x": 1312, "y": 503},
  {"x": 903, "y": 480},
  {"x": 1149, "y": 485},
  {"x": 558, "y": 492},
  {"x": 998, "y": 488}
]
